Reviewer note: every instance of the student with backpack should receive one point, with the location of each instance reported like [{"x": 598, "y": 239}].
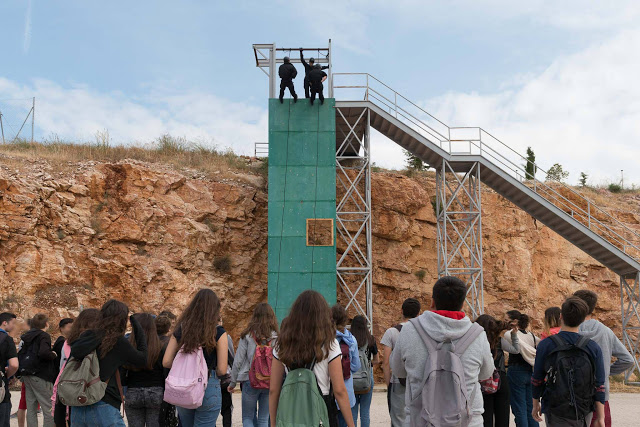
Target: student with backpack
[
  {"x": 522, "y": 355},
  {"x": 145, "y": 385},
  {"x": 363, "y": 378},
  {"x": 395, "y": 386},
  {"x": 551, "y": 322},
  {"x": 309, "y": 352},
  {"x": 197, "y": 356},
  {"x": 495, "y": 390},
  {"x": 350, "y": 357},
  {"x": 8, "y": 365},
  {"x": 443, "y": 355},
  {"x": 609, "y": 344},
  {"x": 37, "y": 369},
  {"x": 569, "y": 374},
  {"x": 106, "y": 347},
  {"x": 252, "y": 365},
  {"x": 87, "y": 319}
]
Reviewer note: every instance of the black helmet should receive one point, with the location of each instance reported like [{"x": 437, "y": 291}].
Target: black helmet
[
  {"x": 317, "y": 66},
  {"x": 311, "y": 60},
  {"x": 286, "y": 59}
]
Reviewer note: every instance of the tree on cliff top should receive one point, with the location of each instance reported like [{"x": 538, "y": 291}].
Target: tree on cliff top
[
  {"x": 414, "y": 163},
  {"x": 556, "y": 173},
  {"x": 530, "y": 168}
]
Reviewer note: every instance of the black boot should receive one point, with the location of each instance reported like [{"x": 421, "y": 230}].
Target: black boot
[
  {"x": 295, "y": 98},
  {"x": 281, "y": 101}
]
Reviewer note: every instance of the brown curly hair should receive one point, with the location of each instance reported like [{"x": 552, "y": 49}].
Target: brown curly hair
[
  {"x": 87, "y": 319},
  {"x": 307, "y": 333},
  {"x": 493, "y": 328},
  {"x": 263, "y": 323},
  {"x": 199, "y": 321},
  {"x": 112, "y": 324}
]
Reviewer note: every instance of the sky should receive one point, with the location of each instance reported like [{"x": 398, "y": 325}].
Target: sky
[{"x": 557, "y": 76}]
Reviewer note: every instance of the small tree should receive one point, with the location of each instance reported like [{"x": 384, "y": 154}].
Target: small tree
[
  {"x": 556, "y": 173},
  {"x": 583, "y": 179},
  {"x": 530, "y": 168},
  {"x": 414, "y": 163}
]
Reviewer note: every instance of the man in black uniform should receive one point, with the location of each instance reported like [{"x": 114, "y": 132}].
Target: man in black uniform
[
  {"x": 307, "y": 69},
  {"x": 287, "y": 73},
  {"x": 316, "y": 78}
]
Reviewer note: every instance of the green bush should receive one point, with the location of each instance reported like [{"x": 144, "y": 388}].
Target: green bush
[
  {"x": 615, "y": 188},
  {"x": 420, "y": 274}
]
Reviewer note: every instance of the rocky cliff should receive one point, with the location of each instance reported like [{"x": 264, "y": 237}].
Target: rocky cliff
[{"x": 151, "y": 235}]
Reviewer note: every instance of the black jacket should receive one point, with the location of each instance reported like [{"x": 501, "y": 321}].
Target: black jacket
[
  {"x": 287, "y": 72},
  {"x": 121, "y": 354},
  {"x": 308, "y": 67},
  {"x": 46, "y": 357},
  {"x": 316, "y": 76}
]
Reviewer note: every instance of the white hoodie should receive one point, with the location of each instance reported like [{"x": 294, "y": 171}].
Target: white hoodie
[{"x": 409, "y": 357}]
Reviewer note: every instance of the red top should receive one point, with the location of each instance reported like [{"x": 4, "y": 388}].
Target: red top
[
  {"x": 552, "y": 331},
  {"x": 457, "y": 315}
]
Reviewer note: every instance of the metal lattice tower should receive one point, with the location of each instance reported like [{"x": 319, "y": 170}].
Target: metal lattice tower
[
  {"x": 353, "y": 212},
  {"x": 630, "y": 306},
  {"x": 458, "y": 207}
]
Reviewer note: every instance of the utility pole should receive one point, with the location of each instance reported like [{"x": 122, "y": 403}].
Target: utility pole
[{"x": 622, "y": 179}]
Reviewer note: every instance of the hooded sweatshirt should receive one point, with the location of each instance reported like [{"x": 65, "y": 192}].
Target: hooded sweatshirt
[
  {"x": 354, "y": 356},
  {"x": 409, "y": 357},
  {"x": 46, "y": 357},
  {"x": 121, "y": 354},
  {"x": 244, "y": 358},
  {"x": 610, "y": 346}
]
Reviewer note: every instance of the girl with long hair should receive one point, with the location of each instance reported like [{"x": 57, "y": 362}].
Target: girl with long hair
[
  {"x": 496, "y": 405},
  {"x": 145, "y": 386},
  {"x": 197, "y": 327},
  {"x": 551, "y": 322},
  {"x": 87, "y": 319},
  {"x": 367, "y": 343},
  {"x": 308, "y": 339},
  {"x": 114, "y": 351},
  {"x": 522, "y": 355},
  {"x": 262, "y": 330}
]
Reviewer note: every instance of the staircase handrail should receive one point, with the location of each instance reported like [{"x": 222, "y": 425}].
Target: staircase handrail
[{"x": 484, "y": 147}]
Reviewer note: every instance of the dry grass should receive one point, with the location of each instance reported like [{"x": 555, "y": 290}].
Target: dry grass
[{"x": 178, "y": 152}]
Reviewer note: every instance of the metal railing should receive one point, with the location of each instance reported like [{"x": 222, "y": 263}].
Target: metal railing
[
  {"x": 261, "y": 149},
  {"x": 477, "y": 141}
]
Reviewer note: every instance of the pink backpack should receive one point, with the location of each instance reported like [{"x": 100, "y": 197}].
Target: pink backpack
[
  {"x": 187, "y": 380},
  {"x": 260, "y": 370}
]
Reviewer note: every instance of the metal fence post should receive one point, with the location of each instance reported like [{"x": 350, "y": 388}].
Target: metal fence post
[{"x": 33, "y": 114}]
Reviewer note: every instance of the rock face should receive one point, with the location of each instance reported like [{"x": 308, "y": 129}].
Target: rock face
[{"x": 151, "y": 236}]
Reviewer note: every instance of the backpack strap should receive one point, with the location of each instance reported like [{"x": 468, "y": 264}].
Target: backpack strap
[
  {"x": 558, "y": 341},
  {"x": 582, "y": 342},
  {"x": 465, "y": 341},
  {"x": 429, "y": 342}
]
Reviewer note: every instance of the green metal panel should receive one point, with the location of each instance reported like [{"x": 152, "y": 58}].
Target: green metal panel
[{"x": 302, "y": 185}]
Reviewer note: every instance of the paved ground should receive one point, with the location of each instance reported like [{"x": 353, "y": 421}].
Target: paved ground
[{"x": 625, "y": 408}]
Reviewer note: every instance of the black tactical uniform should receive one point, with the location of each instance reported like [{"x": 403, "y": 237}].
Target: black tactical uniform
[
  {"x": 315, "y": 83},
  {"x": 307, "y": 69},
  {"x": 287, "y": 73}
]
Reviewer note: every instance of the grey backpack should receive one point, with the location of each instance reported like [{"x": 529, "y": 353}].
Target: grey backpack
[
  {"x": 442, "y": 400},
  {"x": 362, "y": 380},
  {"x": 79, "y": 383}
]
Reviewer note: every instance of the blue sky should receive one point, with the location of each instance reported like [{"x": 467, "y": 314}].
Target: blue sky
[{"x": 554, "y": 76}]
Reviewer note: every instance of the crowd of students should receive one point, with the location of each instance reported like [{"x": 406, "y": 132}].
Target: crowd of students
[{"x": 316, "y": 367}]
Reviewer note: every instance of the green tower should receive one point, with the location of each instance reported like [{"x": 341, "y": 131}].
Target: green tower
[{"x": 302, "y": 201}]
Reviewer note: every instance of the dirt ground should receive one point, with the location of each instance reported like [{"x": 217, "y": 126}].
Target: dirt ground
[{"x": 625, "y": 410}]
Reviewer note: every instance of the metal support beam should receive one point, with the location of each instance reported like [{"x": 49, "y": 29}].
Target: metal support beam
[
  {"x": 353, "y": 215},
  {"x": 630, "y": 307},
  {"x": 459, "y": 214}
]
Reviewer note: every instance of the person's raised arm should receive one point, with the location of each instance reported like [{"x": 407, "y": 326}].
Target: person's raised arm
[
  {"x": 302, "y": 59},
  {"x": 275, "y": 386},
  {"x": 170, "y": 352},
  {"x": 510, "y": 342},
  {"x": 222, "y": 351},
  {"x": 136, "y": 356},
  {"x": 340, "y": 389}
]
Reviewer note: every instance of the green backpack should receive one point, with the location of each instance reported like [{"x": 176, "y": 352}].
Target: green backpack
[
  {"x": 301, "y": 403},
  {"x": 79, "y": 383}
]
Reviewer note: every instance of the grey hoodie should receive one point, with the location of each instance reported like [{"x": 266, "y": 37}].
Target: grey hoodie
[
  {"x": 409, "y": 357},
  {"x": 243, "y": 358},
  {"x": 611, "y": 346}
]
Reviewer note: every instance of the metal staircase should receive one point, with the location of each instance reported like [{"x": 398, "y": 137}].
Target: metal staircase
[{"x": 464, "y": 156}]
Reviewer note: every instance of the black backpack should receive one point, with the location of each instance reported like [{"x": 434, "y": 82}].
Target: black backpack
[
  {"x": 570, "y": 382},
  {"x": 28, "y": 358}
]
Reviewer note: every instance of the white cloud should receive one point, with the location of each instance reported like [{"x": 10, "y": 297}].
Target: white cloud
[
  {"x": 27, "y": 29},
  {"x": 75, "y": 113}
]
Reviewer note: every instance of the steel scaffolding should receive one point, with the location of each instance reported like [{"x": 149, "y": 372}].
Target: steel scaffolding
[
  {"x": 459, "y": 218},
  {"x": 353, "y": 212},
  {"x": 630, "y": 307}
]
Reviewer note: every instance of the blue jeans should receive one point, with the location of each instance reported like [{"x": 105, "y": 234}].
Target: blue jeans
[
  {"x": 363, "y": 403},
  {"x": 5, "y": 411},
  {"x": 99, "y": 414},
  {"x": 253, "y": 399},
  {"x": 521, "y": 395},
  {"x": 207, "y": 413}
]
